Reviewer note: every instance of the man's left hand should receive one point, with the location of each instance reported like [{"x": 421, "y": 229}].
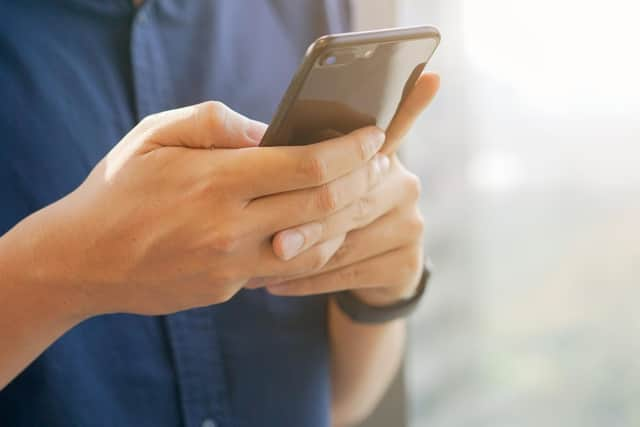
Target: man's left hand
[{"x": 381, "y": 259}]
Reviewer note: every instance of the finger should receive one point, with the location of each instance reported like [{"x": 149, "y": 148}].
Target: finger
[
  {"x": 207, "y": 125},
  {"x": 313, "y": 260},
  {"x": 389, "y": 194},
  {"x": 298, "y": 207},
  {"x": 412, "y": 106},
  {"x": 396, "y": 229},
  {"x": 393, "y": 268},
  {"x": 271, "y": 170}
]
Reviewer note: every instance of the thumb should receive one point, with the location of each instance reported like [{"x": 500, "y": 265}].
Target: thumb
[
  {"x": 207, "y": 125},
  {"x": 410, "y": 109}
]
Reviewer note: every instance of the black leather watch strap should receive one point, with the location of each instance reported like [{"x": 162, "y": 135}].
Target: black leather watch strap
[{"x": 360, "y": 312}]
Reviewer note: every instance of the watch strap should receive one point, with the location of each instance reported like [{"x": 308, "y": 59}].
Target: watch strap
[{"x": 360, "y": 312}]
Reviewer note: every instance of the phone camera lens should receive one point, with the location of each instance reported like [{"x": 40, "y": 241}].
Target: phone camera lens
[{"x": 330, "y": 60}]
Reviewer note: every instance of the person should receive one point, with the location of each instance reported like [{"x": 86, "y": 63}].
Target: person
[{"x": 183, "y": 275}]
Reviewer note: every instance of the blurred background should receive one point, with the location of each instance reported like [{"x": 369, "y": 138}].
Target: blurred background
[{"x": 529, "y": 160}]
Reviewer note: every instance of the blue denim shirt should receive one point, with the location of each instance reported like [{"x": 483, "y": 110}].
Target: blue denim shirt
[{"x": 75, "y": 76}]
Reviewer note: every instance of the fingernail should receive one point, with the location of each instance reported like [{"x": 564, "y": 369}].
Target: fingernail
[
  {"x": 292, "y": 242},
  {"x": 255, "y": 131},
  {"x": 383, "y": 163}
]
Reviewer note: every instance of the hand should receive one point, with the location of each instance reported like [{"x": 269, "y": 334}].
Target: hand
[
  {"x": 381, "y": 258},
  {"x": 170, "y": 219}
]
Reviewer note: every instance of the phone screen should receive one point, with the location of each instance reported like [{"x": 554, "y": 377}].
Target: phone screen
[{"x": 349, "y": 87}]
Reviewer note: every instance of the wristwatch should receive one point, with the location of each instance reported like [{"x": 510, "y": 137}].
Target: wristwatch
[{"x": 360, "y": 312}]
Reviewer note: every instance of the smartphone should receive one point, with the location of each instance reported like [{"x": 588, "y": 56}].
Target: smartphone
[{"x": 349, "y": 81}]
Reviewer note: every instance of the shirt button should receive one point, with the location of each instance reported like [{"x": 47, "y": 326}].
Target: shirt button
[
  {"x": 209, "y": 423},
  {"x": 143, "y": 16}
]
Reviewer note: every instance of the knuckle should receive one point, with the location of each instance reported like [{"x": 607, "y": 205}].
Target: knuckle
[
  {"x": 327, "y": 198},
  {"x": 315, "y": 169},
  {"x": 413, "y": 186},
  {"x": 212, "y": 114},
  {"x": 417, "y": 223},
  {"x": 365, "y": 146},
  {"x": 320, "y": 231},
  {"x": 226, "y": 241},
  {"x": 373, "y": 173},
  {"x": 366, "y": 143},
  {"x": 147, "y": 121},
  {"x": 363, "y": 209}
]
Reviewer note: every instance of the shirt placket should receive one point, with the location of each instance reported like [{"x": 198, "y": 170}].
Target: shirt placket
[
  {"x": 198, "y": 360},
  {"x": 199, "y": 367}
]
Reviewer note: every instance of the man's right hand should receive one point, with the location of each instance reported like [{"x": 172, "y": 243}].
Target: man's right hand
[{"x": 182, "y": 211}]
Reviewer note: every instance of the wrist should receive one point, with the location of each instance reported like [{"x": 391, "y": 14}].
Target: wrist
[
  {"x": 36, "y": 259},
  {"x": 361, "y": 311},
  {"x": 387, "y": 295}
]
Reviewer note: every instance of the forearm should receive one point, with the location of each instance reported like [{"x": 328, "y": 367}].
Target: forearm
[
  {"x": 35, "y": 312},
  {"x": 365, "y": 358}
]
